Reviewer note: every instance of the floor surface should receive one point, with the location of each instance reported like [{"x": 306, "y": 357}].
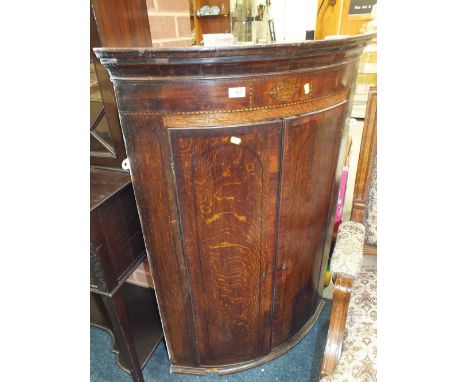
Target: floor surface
[{"x": 300, "y": 364}]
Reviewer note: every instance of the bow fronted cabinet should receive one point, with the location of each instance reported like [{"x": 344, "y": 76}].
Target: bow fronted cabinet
[{"x": 233, "y": 153}]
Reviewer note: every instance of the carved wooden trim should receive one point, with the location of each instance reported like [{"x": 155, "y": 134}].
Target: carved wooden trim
[{"x": 336, "y": 328}]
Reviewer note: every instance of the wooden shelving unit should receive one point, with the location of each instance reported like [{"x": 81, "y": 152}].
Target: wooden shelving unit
[
  {"x": 210, "y": 23},
  {"x": 220, "y": 15},
  {"x": 143, "y": 318}
]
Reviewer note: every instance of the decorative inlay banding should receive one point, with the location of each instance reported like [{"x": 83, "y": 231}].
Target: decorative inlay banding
[
  {"x": 284, "y": 92},
  {"x": 330, "y": 96},
  {"x": 230, "y": 117}
]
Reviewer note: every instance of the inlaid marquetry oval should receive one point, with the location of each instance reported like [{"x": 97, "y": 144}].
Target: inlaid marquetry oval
[{"x": 284, "y": 92}]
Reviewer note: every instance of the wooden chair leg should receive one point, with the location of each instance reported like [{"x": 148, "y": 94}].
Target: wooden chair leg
[
  {"x": 336, "y": 328},
  {"x": 115, "y": 307}
]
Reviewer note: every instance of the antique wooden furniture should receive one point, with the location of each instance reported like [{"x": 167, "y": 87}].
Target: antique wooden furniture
[
  {"x": 220, "y": 23},
  {"x": 354, "y": 310},
  {"x": 345, "y": 264},
  {"x": 112, "y": 23},
  {"x": 365, "y": 188},
  {"x": 128, "y": 312},
  {"x": 350, "y": 17},
  {"x": 345, "y": 17},
  {"x": 355, "y": 288},
  {"x": 233, "y": 153}
]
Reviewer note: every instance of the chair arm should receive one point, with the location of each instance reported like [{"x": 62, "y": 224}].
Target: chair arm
[
  {"x": 336, "y": 328},
  {"x": 345, "y": 264},
  {"x": 347, "y": 255}
]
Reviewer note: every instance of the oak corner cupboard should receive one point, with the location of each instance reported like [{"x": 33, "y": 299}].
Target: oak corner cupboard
[{"x": 233, "y": 154}]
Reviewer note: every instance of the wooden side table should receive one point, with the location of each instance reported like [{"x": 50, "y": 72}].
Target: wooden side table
[{"x": 127, "y": 311}]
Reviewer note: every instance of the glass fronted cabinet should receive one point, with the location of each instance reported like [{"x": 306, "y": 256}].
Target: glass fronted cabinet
[
  {"x": 252, "y": 21},
  {"x": 249, "y": 21}
]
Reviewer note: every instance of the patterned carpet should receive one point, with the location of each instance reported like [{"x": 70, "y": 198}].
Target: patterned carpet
[{"x": 300, "y": 364}]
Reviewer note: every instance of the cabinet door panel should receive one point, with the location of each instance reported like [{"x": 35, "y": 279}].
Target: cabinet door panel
[
  {"x": 227, "y": 185},
  {"x": 310, "y": 154}
]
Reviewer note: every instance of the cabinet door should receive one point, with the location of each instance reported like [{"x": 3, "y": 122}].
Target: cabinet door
[
  {"x": 227, "y": 184},
  {"x": 310, "y": 154}
]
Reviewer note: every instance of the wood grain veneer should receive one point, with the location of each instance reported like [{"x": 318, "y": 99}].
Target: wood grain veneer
[
  {"x": 235, "y": 195},
  {"x": 128, "y": 312},
  {"x": 336, "y": 329},
  {"x": 115, "y": 232},
  {"x": 114, "y": 23},
  {"x": 117, "y": 246}
]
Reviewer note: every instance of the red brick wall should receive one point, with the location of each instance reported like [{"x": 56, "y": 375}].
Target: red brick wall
[{"x": 169, "y": 23}]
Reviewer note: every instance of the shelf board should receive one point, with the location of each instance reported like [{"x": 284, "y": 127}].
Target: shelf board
[
  {"x": 143, "y": 317},
  {"x": 220, "y": 15}
]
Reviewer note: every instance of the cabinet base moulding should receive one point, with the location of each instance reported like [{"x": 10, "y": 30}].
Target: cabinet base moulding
[{"x": 241, "y": 366}]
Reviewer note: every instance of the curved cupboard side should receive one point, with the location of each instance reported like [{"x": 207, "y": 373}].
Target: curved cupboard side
[{"x": 233, "y": 154}]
